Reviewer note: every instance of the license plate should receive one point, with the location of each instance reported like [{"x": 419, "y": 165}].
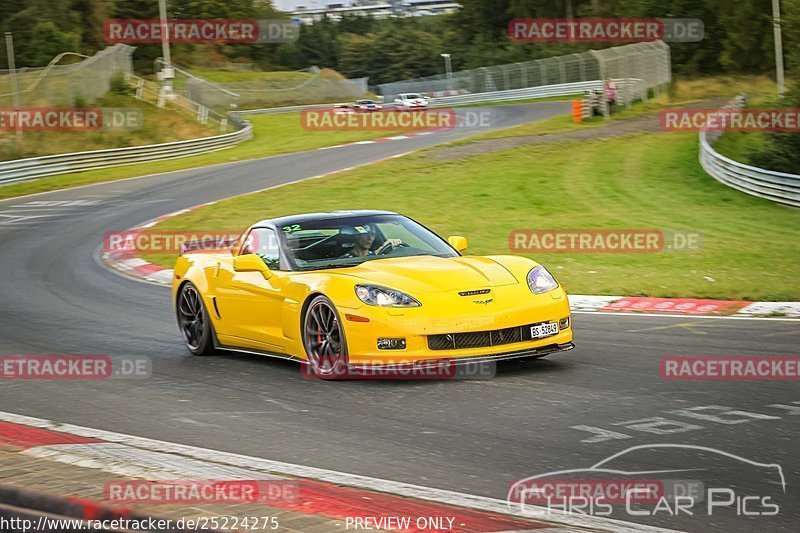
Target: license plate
[{"x": 544, "y": 330}]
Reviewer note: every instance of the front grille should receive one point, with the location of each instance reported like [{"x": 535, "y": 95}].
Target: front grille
[{"x": 480, "y": 339}]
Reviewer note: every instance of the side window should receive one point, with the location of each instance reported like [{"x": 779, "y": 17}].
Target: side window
[
  {"x": 244, "y": 245},
  {"x": 264, "y": 243}
]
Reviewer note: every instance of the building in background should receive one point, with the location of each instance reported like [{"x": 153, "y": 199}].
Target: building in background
[{"x": 335, "y": 10}]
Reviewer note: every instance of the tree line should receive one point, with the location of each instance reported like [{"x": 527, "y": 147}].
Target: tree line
[{"x": 738, "y": 34}]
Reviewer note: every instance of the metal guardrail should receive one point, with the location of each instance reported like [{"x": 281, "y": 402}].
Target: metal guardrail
[
  {"x": 768, "y": 184},
  {"x": 776, "y": 186},
  {"x": 51, "y": 165},
  {"x": 528, "y": 93},
  {"x": 280, "y": 110}
]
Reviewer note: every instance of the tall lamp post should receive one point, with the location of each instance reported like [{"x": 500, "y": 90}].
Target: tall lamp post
[
  {"x": 167, "y": 72},
  {"x": 448, "y": 68},
  {"x": 12, "y": 71},
  {"x": 776, "y": 29}
]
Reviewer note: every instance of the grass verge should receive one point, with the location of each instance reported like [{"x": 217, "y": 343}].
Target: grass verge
[
  {"x": 159, "y": 125},
  {"x": 751, "y": 247}
]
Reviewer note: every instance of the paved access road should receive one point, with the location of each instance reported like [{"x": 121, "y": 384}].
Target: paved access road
[{"x": 475, "y": 437}]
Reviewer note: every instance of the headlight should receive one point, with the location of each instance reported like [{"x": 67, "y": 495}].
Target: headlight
[
  {"x": 541, "y": 281},
  {"x": 383, "y": 297}
]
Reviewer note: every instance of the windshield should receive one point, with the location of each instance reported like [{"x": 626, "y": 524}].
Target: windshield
[{"x": 345, "y": 242}]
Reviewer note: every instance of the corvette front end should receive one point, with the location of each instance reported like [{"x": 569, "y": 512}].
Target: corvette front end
[{"x": 497, "y": 323}]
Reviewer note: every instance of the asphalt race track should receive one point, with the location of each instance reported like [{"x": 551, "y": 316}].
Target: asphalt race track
[{"x": 476, "y": 437}]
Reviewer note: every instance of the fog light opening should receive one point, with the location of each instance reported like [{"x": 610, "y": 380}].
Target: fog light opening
[{"x": 563, "y": 323}]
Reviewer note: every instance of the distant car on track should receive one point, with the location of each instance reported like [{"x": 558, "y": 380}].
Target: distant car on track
[
  {"x": 364, "y": 289},
  {"x": 408, "y": 101},
  {"x": 368, "y": 105},
  {"x": 343, "y": 109}
]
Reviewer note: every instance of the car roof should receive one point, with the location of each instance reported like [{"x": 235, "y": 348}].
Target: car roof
[{"x": 308, "y": 217}]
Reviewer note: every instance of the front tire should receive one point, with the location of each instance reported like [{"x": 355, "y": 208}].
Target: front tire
[
  {"x": 324, "y": 340},
  {"x": 194, "y": 322}
]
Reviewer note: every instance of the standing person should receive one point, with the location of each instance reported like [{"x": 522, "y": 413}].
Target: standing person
[{"x": 610, "y": 89}]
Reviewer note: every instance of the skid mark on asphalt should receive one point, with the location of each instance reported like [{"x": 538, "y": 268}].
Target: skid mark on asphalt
[
  {"x": 41, "y": 211},
  {"x": 687, "y": 326},
  {"x": 17, "y": 220}
]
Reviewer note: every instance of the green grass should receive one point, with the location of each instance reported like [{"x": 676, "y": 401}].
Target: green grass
[
  {"x": 274, "y": 134},
  {"x": 739, "y": 146},
  {"x": 751, "y": 247},
  {"x": 159, "y": 125},
  {"x": 278, "y": 78},
  {"x": 565, "y": 123},
  {"x": 757, "y": 87}
]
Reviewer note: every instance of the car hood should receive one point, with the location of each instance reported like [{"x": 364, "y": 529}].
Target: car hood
[{"x": 430, "y": 274}]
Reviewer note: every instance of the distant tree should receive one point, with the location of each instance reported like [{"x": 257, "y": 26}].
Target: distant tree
[
  {"x": 357, "y": 55},
  {"x": 92, "y": 14},
  {"x": 791, "y": 33},
  {"x": 42, "y": 30},
  {"x": 319, "y": 45},
  {"x": 747, "y": 42},
  {"x": 45, "y": 43},
  {"x": 782, "y": 152}
]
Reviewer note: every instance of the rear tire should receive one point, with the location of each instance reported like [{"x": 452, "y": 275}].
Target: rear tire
[
  {"x": 194, "y": 322},
  {"x": 324, "y": 340}
]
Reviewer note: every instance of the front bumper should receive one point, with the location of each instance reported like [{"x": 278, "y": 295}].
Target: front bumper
[
  {"x": 415, "y": 325},
  {"x": 440, "y": 369}
]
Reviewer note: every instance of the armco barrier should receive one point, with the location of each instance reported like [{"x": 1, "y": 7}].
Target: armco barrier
[
  {"x": 775, "y": 186},
  {"x": 529, "y": 93},
  {"x": 38, "y": 167},
  {"x": 280, "y": 110}
]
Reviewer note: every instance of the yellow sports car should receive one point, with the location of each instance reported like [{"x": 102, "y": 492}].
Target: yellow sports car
[{"x": 360, "y": 289}]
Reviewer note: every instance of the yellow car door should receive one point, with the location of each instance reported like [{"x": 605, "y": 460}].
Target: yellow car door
[{"x": 249, "y": 295}]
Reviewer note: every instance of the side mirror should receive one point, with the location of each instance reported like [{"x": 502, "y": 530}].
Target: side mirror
[
  {"x": 458, "y": 242},
  {"x": 251, "y": 263}
]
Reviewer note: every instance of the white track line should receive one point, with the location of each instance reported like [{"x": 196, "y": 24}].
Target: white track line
[
  {"x": 215, "y": 459},
  {"x": 666, "y": 315}
]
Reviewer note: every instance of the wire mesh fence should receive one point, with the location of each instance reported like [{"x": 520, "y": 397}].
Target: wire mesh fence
[
  {"x": 649, "y": 62},
  {"x": 317, "y": 89},
  {"x": 291, "y": 88},
  {"x": 66, "y": 85}
]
